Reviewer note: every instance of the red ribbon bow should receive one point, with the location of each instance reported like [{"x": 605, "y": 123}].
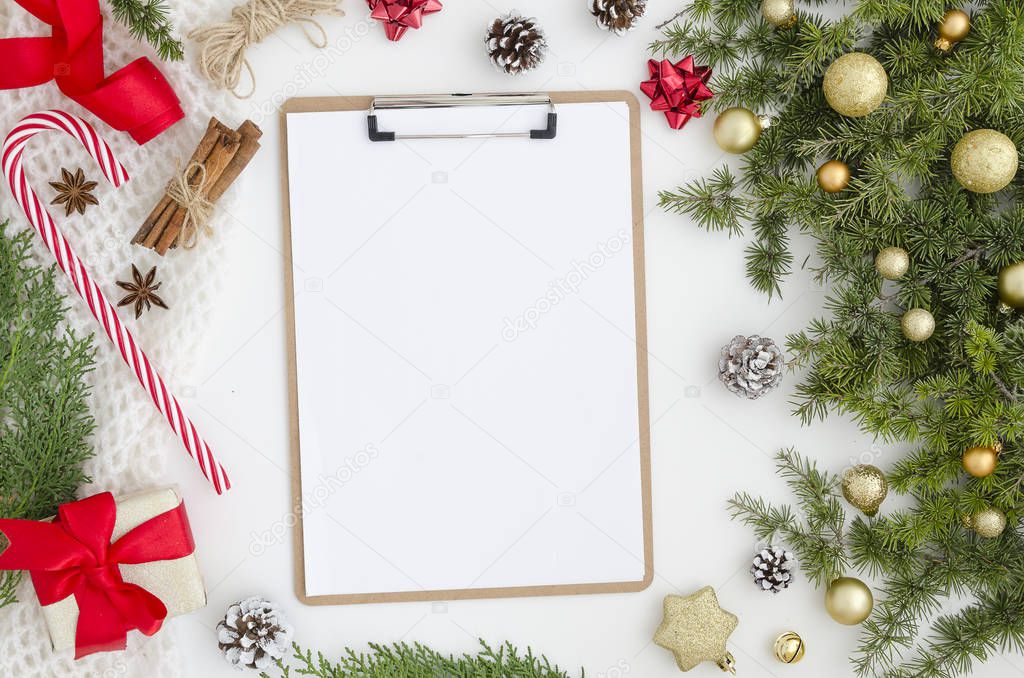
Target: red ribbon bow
[
  {"x": 73, "y": 556},
  {"x": 399, "y": 16},
  {"x": 136, "y": 99},
  {"x": 677, "y": 89}
]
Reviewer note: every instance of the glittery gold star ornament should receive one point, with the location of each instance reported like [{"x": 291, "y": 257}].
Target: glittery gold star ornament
[{"x": 695, "y": 630}]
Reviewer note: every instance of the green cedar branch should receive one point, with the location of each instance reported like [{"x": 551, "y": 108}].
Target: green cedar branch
[
  {"x": 45, "y": 424},
  {"x": 419, "y": 661}
]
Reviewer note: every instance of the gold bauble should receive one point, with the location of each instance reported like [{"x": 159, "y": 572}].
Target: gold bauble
[
  {"x": 789, "y": 647},
  {"x": 989, "y": 523},
  {"x": 833, "y": 176},
  {"x": 849, "y": 601},
  {"x": 917, "y": 324},
  {"x": 1011, "y": 285},
  {"x": 779, "y": 13},
  {"x": 892, "y": 263},
  {"x": 953, "y": 28},
  {"x": 855, "y": 84},
  {"x": 980, "y": 461},
  {"x": 984, "y": 161},
  {"x": 736, "y": 130},
  {"x": 865, "y": 487}
]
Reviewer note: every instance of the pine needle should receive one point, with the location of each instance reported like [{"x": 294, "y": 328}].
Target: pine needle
[{"x": 147, "y": 20}]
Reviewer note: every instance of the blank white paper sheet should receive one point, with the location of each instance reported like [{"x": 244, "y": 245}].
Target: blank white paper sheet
[{"x": 466, "y": 368}]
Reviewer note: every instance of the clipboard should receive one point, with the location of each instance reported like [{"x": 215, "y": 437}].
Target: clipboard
[{"x": 381, "y": 133}]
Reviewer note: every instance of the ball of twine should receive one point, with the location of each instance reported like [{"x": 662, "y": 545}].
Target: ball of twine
[{"x": 223, "y": 45}]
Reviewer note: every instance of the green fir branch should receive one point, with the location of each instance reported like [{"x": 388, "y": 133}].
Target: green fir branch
[
  {"x": 713, "y": 202},
  {"x": 817, "y": 539},
  {"x": 147, "y": 20},
  {"x": 959, "y": 389}
]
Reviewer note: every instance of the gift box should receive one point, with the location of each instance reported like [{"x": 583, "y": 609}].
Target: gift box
[{"x": 104, "y": 567}]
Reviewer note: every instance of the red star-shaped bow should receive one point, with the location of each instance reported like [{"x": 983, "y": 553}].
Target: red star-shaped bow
[
  {"x": 677, "y": 89},
  {"x": 398, "y": 16}
]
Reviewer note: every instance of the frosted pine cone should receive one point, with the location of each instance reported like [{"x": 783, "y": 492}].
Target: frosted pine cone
[
  {"x": 772, "y": 569},
  {"x": 751, "y": 366},
  {"x": 515, "y": 44},
  {"x": 618, "y": 16},
  {"x": 253, "y": 634}
]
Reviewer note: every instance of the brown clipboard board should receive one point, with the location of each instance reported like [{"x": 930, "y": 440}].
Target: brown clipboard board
[{"x": 363, "y": 103}]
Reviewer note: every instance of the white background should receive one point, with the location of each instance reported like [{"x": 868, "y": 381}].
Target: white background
[{"x": 707, "y": 443}]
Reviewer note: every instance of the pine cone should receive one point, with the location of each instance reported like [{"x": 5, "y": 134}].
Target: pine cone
[
  {"x": 771, "y": 569},
  {"x": 618, "y": 16},
  {"x": 515, "y": 44},
  {"x": 253, "y": 634},
  {"x": 751, "y": 366}
]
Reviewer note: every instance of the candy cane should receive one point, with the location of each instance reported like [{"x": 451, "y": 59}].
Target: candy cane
[{"x": 69, "y": 262}]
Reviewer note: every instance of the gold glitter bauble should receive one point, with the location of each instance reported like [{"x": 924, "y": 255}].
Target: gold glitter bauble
[
  {"x": 833, "y": 176},
  {"x": 779, "y": 13},
  {"x": 918, "y": 324},
  {"x": 989, "y": 523},
  {"x": 789, "y": 647},
  {"x": 736, "y": 130},
  {"x": 1011, "y": 285},
  {"x": 695, "y": 629},
  {"x": 865, "y": 487},
  {"x": 892, "y": 263},
  {"x": 984, "y": 161},
  {"x": 855, "y": 84},
  {"x": 980, "y": 461},
  {"x": 953, "y": 28},
  {"x": 849, "y": 601}
]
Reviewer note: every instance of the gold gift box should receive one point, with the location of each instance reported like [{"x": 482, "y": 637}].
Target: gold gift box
[{"x": 177, "y": 583}]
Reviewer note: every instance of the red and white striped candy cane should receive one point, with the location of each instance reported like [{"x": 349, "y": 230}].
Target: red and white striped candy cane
[{"x": 101, "y": 308}]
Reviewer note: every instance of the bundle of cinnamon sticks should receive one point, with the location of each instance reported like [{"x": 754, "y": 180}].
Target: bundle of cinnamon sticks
[{"x": 223, "y": 153}]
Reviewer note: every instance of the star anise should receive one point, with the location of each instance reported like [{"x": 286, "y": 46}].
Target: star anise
[
  {"x": 75, "y": 193},
  {"x": 142, "y": 292}
]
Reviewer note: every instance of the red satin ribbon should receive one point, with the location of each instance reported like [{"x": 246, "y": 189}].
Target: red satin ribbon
[
  {"x": 399, "y": 16},
  {"x": 677, "y": 89},
  {"x": 136, "y": 99},
  {"x": 73, "y": 556}
]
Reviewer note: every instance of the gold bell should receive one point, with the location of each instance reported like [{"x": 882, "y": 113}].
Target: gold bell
[{"x": 789, "y": 647}]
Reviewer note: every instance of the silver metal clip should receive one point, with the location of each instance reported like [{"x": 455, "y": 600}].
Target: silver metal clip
[{"x": 455, "y": 100}]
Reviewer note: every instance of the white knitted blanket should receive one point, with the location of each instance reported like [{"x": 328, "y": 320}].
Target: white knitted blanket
[{"x": 131, "y": 439}]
